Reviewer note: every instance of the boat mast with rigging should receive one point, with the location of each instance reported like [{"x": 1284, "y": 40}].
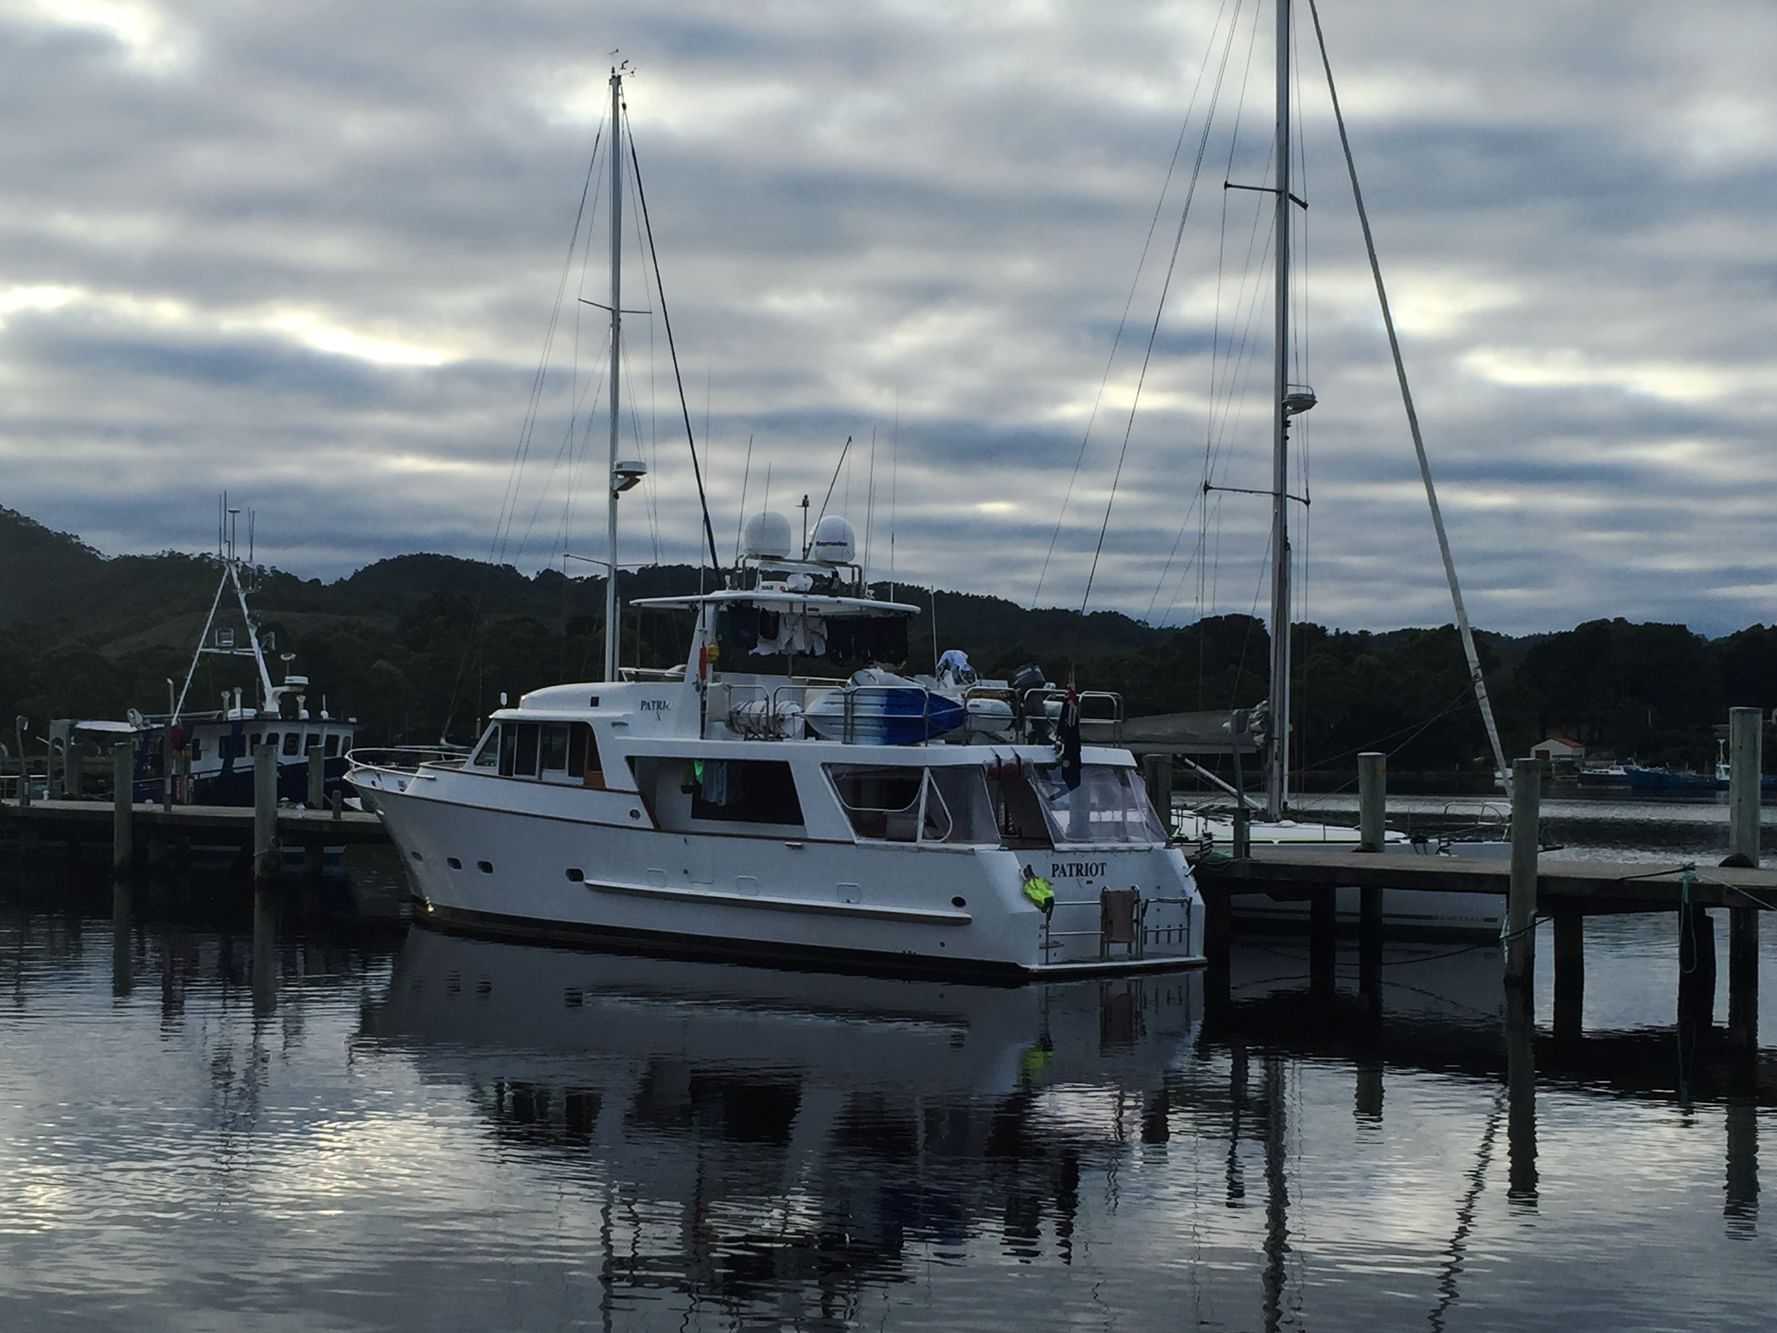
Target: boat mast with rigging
[{"x": 1287, "y": 401}]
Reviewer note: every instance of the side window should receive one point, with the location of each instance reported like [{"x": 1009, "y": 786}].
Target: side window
[
  {"x": 524, "y": 759},
  {"x": 333, "y": 745},
  {"x": 292, "y": 742},
  {"x": 256, "y": 740},
  {"x": 508, "y": 747},
  {"x": 747, "y": 791},
  {"x": 487, "y": 754},
  {"x": 879, "y": 802},
  {"x": 554, "y": 744},
  {"x": 584, "y": 762},
  {"x": 197, "y": 747},
  {"x": 312, "y": 741}
]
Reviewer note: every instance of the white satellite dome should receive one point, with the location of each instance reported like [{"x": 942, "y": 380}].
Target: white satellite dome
[
  {"x": 834, "y": 542},
  {"x": 767, "y": 536}
]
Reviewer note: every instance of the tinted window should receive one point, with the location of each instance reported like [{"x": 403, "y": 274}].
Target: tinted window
[
  {"x": 333, "y": 744},
  {"x": 524, "y": 757},
  {"x": 749, "y": 791},
  {"x": 555, "y": 747},
  {"x": 292, "y": 742}
]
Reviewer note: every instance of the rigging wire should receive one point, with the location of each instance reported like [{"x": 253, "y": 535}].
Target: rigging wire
[
  {"x": 1159, "y": 310},
  {"x": 843, "y": 451},
  {"x": 746, "y": 473},
  {"x": 590, "y": 189},
  {"x": 666, "y": 320},
  {"x": 1503, "y": 773},
  {"x": 1129, "y": 301}
]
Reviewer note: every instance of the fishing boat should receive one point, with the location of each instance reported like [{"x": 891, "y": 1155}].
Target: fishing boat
[
  {"x": 1207, "y": 827},
  {"x": 715, "y": 809},
  {"x": 204, "y": 756}
]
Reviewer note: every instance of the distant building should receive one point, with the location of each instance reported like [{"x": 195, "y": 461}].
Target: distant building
[{"x": 1561, "y": 750}]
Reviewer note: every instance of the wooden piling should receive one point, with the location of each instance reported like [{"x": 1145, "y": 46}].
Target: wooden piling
[
  {"x": 1740, "y": 1203},
  {"x": 1745, "y": 763},
  {"x": 1570, "y": 973},
  {"x": 123, "y": 779},
  {"x": 20, "y": 725},
  {"x": 1323, "y": 942},
  {"x": 166, "y": 768},
  {"x": 265, "y": 812},
  {"x": 1372, "y": 800},
  {"x": 1369, "y": 947},
  {"x": 1520, "y": 1041},
  {"x": 317, "y": 796},
  {"x": 123, "y": 976},
  {"x": 1527, "y": 782},
  {"x": 1745, "y": 759},
  {"x": 1218, "y": 929}
]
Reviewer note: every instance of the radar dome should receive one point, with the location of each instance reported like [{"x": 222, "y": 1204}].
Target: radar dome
[
  {"x": 767, "y": 536},
  {"x": 834, "y": 543}
]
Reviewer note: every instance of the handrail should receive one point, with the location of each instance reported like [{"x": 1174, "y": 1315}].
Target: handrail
[
  {"x": 408, "y": 758},
  {"x": 851, "y": 694}
]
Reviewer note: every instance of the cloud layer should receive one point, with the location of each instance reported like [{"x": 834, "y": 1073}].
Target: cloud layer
[{"x": 310, "y": 255}]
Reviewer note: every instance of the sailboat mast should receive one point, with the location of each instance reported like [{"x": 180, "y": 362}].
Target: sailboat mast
[
  {"x": 1278, "y": 727},
  {"x": 611, "y": 627}
]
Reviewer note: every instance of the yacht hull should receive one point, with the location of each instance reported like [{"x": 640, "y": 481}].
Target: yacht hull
[{"x": 854, "y": 905}]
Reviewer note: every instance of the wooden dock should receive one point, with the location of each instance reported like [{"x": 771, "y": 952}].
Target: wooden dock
[
  {"x": 1566, "y": 892},
  {"x": 161, "y": 827},
  {"x": 1588, "y": 887}
]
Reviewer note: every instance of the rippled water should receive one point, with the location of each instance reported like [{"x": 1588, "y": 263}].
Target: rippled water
[{"x": 219, "y": 1110}]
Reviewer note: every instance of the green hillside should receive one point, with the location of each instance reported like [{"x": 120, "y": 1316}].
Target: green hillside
[{"x": 419, "y": 646}]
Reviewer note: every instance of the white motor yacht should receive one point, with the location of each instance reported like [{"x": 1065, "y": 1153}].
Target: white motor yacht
[{"x": 699, "y": 812}]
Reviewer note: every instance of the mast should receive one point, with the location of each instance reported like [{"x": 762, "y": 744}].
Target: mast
[
  {"x": 1278, "y": 722},
  {"x": 611, "y": 626}
]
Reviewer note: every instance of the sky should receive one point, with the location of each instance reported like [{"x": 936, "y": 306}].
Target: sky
[{"x": 313, "y": 255}]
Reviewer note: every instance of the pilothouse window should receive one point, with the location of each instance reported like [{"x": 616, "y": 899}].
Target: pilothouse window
[
  {"x": 1109, "y": 806},
  {"x": 903, "y": 804},
  {"x": 748, "y": 791}
]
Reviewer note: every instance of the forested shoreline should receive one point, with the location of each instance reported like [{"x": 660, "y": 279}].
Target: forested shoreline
[{"x": 422, "y": 646}]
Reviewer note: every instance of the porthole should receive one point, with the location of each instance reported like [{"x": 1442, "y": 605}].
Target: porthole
[
  {"x": 416, "y": 855},
  {"x": 576, "y": 875},
  {"x": 485, "y": 867},
  {"x": 959, "y": 902},
  {"x": 453, "y": 863}
]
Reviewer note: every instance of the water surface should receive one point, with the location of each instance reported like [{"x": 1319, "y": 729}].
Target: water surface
[{"x": 222, "y": 1110}]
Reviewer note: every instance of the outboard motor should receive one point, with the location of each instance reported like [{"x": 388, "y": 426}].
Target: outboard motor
[{"x": 1027, "y": 678}]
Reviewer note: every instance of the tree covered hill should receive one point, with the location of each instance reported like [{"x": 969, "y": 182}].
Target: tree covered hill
[{"x": 419, "y": 646}]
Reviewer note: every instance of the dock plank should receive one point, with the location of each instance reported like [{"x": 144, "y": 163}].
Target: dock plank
[
  {"x": 295, "y": 825},
  {"x": 1590, "y": 886}
]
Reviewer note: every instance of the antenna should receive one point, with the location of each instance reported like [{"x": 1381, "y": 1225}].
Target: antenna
[
  {"x": 894, "y": 479},
  {"x": 804, "y": 508},
  {"x": 746, "y": 472},
  {"x": 869, "y": 507}
]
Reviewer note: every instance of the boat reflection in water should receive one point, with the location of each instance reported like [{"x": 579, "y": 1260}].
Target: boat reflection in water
[{"x": 788, "y": 1117}]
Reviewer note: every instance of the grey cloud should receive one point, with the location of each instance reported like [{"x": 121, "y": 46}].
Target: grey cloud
[{"x": 938, "y": 207}]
